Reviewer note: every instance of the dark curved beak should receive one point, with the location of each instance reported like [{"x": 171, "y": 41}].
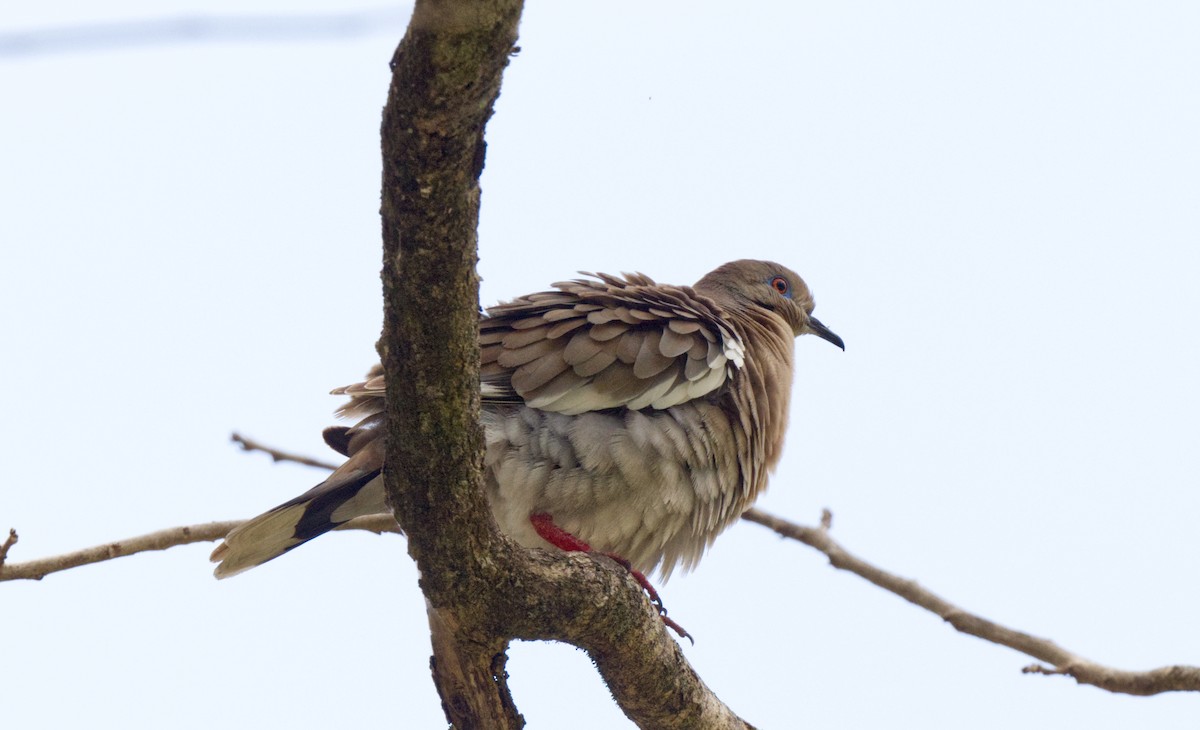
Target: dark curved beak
[{"x": 820, "y": 330}]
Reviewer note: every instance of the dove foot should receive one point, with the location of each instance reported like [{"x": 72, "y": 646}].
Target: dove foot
[{"x": 565, "y": 541}]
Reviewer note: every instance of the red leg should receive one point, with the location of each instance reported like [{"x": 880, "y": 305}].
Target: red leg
[
  {"x": 642, "y": 580},
  {"x": 544, "y": 525},
  {"x": 557, "y": 536}
]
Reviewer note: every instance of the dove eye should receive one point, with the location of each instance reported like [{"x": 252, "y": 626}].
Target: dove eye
[{"x": 781, "y": 285}]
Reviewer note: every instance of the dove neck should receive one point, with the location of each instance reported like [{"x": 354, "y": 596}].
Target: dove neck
[{"x": 764, "y": 393}]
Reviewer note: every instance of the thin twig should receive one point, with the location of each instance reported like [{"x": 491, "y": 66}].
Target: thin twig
[
  {"x": 8, "y": 542},
  {"x": 1177, "y": 678},
  {"x": 160, "y": 540},
  {"x": 277, "y": 455}
]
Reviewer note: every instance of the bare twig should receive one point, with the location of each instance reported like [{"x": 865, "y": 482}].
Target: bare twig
[
  {"x": 160, "y": 540},
  {"x": 277, "y": 455},
  {"x": 1166, "y": 679},
  {"x": 8, "y": 543}
]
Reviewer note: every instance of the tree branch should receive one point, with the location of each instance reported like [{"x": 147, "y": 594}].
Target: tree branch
[
  {"x": 483, "y": 590},
  {"x": 446, "y": 76},
  {"x": 1177, "y": 678},
  {"x": 276, "y": 455},
  {"x": 160, "y": 540},
  {"x": 8, "y": 543}
]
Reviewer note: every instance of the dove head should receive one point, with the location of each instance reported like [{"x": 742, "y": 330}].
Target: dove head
[{"x": 767, "y": 285}]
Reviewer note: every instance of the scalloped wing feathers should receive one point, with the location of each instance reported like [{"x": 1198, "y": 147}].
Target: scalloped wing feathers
[{"x": 613, "y": 343}]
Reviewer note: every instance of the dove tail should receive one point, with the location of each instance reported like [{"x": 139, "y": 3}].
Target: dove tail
[{"x": 293, "y": 523}]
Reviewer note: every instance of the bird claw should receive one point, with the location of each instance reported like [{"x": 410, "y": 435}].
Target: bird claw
[
  {"x": 672, "y": 625},
  {"x": 641, "y": 579},
  {"x": 655, "y": 600},
  {"x": 563, "y": 540}
]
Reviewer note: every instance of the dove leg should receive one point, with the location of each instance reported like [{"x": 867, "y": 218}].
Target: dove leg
[
  {"x": 557, "y": 536},
  {"x": 565, "y": 541}
]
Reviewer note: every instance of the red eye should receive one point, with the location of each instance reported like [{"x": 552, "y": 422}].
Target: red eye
[{"x": 781, "y": 285}]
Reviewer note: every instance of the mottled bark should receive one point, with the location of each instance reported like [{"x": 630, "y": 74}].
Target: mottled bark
[{"x": 446, "y": 77}]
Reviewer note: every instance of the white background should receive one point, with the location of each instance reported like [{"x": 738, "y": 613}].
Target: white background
[{"x": 997, "y": 205}]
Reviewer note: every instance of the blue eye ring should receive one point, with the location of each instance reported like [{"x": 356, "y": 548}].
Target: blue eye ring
[{"x": 782, "y": 285}]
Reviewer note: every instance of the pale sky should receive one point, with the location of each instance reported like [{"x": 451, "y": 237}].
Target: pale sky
[{"x": 996, "y": 204}]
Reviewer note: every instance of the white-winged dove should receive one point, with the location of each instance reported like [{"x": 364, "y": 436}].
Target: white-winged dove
[{"x": 620, "y": 415}]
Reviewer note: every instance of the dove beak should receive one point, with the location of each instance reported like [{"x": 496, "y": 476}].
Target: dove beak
[{"x": 815, "y": 327}]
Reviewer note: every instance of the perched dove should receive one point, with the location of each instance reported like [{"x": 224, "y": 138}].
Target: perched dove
[{"x": 620, "y": 415}]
